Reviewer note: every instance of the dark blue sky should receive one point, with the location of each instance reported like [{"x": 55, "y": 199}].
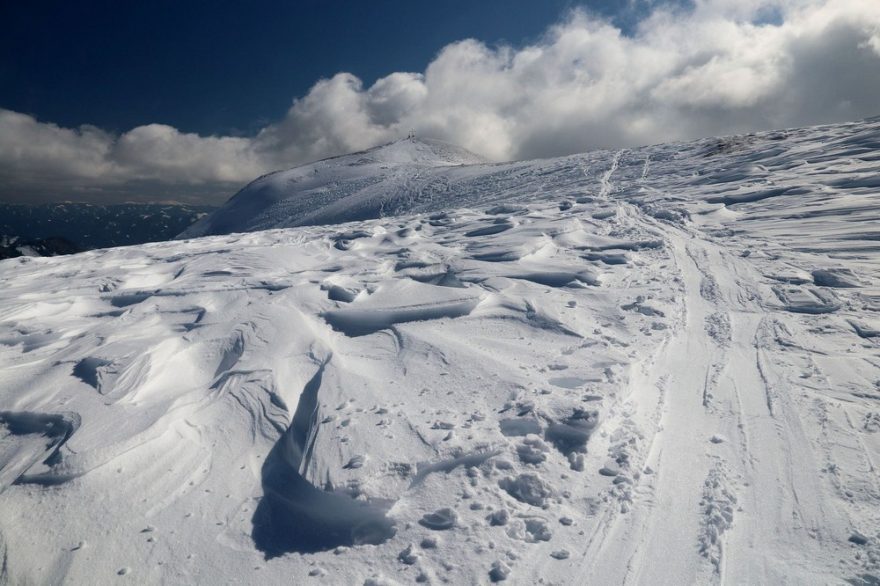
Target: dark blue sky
[{"x": 228, "y": 67}]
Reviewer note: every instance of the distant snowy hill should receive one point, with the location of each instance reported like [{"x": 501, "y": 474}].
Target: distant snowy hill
[
  {"x": 649, "y": 366},
  {"x": 370, "y": 184}
]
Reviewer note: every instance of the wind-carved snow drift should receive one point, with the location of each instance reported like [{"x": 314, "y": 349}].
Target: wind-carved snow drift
[
  {"x": 655, "y": 365},
  {"x": 294, "y": 515}
]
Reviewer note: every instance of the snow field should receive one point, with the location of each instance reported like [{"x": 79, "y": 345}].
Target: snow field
[{"x": 658, "y": 365}]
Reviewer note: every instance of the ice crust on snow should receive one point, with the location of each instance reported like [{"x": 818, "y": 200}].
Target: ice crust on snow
[{"x": 654, "y": 365}]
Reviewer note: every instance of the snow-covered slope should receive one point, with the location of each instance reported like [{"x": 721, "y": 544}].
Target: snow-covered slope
[
  {"x": 359, "y": 186},
  {"x": 651, "y": 366}
]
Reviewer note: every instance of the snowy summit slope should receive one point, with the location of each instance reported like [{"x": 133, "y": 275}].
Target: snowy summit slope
[
  {"x": 649, "y": 366},
  {"x": 359, "y": 186}
]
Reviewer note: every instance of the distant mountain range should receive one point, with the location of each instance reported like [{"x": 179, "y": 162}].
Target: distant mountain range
[
  {"x": 87, "y": 226},
  {"x": 14, "y": 247}
]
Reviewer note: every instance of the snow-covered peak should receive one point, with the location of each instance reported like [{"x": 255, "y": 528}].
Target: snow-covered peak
[
  {"x": 417, "y": 151},
  {"x": 357, "y": 186}
]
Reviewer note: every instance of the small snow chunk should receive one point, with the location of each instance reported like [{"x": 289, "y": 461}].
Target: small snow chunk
[
  {"x": 440, "y": 519},
  {"x": 499, "y": 572},
  {"x": 639, "y": 306},
  {"x": 498, "y": 518},
  {"x": 429, "y": 542},
  {"x": 123, "y": 571},
  {"x": 717, "y": 439},
  {"x": 528, "y": 488},
  {"x": 532, "y": 451},
  {"x": 408, "y": 556},
  {"x": 610, "y": 469},
  {"x": 572, "y": 433},
  {"x": 523, "y": 408},
  {"x": 560, "y": 554},
  {"x": 537, "y": 530},
  {"x": 858, "y": 538},
  {"x": 567, "y": 521}
]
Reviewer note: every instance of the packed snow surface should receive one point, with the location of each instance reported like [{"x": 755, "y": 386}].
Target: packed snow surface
[{"x": 650, "y": 366}]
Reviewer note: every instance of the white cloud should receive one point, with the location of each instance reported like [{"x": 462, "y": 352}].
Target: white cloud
[
  {"x": 718, "y": 67},
  {"x": 160, "y": 152},
  {"x": 41, "y": 161},
  {"x": 29, "y": 149}
]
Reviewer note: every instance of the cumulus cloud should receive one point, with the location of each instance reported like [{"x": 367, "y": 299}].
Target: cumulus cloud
[
  {"x": 714, "y": 67},
  {"x": 41, "y": 161}
]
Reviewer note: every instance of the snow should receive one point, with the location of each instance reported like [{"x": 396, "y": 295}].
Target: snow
[
  {"x": 352, "y": 187},
  {"x": 655, "y": 365}
]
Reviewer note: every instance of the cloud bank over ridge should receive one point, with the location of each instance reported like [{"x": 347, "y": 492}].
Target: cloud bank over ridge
[{"x": 716, "y": 67}]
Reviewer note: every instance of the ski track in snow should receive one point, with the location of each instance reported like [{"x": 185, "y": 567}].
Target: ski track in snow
[{"x": 653, "y": 366}]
